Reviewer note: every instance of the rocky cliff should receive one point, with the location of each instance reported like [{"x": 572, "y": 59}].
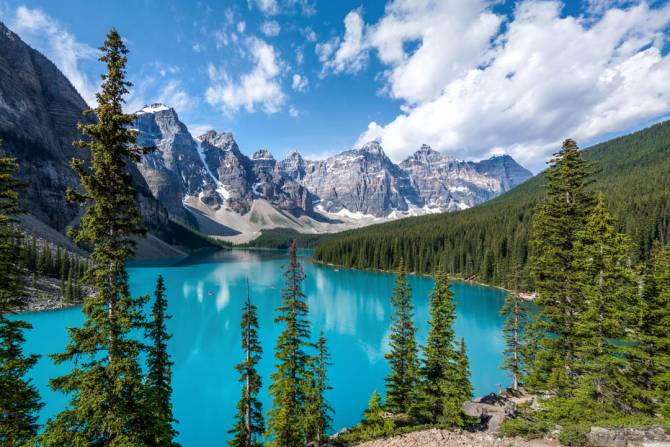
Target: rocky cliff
[
  {"x": 361, "y": 183},
  {"x": 39, "y": 112}
]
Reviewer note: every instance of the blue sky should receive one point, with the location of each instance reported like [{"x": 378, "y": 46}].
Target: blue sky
[{"x": 469, "y": 77}]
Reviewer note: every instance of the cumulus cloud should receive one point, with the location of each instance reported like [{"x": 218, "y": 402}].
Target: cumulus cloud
[
  {"x": 270, "y": 28},
  {"x": 473, "y": 88},
  {"x": 349, "y": 54},
  {"x": 269, "y": 7},
  {"x": 258, "y": 88},
  {"x": 299, "y": 83},
  {"x": 49, "y": 37}
]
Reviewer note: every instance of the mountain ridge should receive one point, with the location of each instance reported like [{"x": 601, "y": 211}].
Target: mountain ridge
[
  {"x": 486, "y": 241},
  {"x": 357, "y": 186},
  {"x": 39, "y": 112}
]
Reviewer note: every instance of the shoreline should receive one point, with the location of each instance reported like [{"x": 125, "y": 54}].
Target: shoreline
[{"x": 451, "y": 277}]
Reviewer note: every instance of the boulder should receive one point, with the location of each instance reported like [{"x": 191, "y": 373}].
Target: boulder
[{"x": 628, "y": 437}]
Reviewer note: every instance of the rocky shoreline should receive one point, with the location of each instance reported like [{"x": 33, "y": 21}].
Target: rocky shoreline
[{"x": 46, "y": 295}]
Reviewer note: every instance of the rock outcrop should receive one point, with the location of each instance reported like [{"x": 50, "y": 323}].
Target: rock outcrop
[
  {"x": 445, "y": 438},
  {"x": 446, "y": 184},
  {"x": 39, "y": 112},
  {"x": 628, "y": 437}
]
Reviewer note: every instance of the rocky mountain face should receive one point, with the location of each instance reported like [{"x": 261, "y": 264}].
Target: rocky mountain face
[
  {"x": 209, "y": 175},
  {"x": 359, "y": 183},
  {"x": 39, "y": 111},
  {"x": 444, "y": 183},
  {"x": 362, "y": 181},
  {"x": 175, "y": 169}
]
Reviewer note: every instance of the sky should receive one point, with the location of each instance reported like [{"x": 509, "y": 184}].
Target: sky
[{"x": 471, "y": 78}]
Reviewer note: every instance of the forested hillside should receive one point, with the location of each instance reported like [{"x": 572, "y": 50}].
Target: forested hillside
[{"x": 484, "y": 242}]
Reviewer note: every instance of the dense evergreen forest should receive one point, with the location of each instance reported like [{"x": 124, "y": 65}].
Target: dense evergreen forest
[{"x": 633, "y": 172}]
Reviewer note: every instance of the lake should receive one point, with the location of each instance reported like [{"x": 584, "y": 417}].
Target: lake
[{"x": 206, "y": 294}]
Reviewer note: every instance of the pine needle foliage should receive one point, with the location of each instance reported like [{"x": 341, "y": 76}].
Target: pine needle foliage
[
  {"x": 249, "y": 423},
  {"x": 291, "y": 378},
  {"x": 159, "y": 375},
  {"x": 555, "y": 225},
  {"x": 318, "y": 417},
  {"x": 517, "y": 314},
  {"x": 105, "y": 385},
  {"x": 440, "y": 400},
  {"x": 19, "y": 399},
  {"x": 403, "y": 379}
]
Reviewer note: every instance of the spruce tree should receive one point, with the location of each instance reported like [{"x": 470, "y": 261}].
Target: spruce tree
[
  {"x": 463, "y": 378},
  {"x": 651, "y": 338},
  {"x": 318, "y": 412},
  {"x": 19, "y": 400},
  {"x": 105, "y": 386},
  {"x": 440, "y": 400},
  {"x": 555, "y": 225},
  {"x": 607, "y": 287},
  {"x": 374, "y": 424},
  {"x": 401, "y": 383},
  {"x": 249, "y": 424},
  {"x": 290, "y": 380},
  {"x": 515, "y": 311},
  {"x": 159, "y": 375}
]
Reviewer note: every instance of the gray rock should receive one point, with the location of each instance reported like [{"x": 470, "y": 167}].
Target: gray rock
[
  {"x": 174, "y": 169},
  {"x": 628, "y": 437},
  {"x": 361, "y": 180},
  {"x": 39, "y": 112},
  {"x": 447, "y": 184},
  {"x": 231, "y": 168}
]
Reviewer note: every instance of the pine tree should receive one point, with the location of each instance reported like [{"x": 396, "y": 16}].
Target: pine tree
[
  {"x": 515, "y": 311},
  {"x": 19, "y": 400},
  {"x": 556, "y": 223},
  {"x": 401, "y": 383},
  {"x": 463, "y": 378},
  {"x": 249, "y": 423},
  {"x": 318, "y": 412},
  {"x": 105, "y": 387},
  {"x": 159, "y": 374},
  {"x": 651, "y": 338},
  {"x": 440, "y": 398},
  {"x": 290, "y": 380},
  {"x": 607, "y": 287},
  {"x": 374, "y": 424}
]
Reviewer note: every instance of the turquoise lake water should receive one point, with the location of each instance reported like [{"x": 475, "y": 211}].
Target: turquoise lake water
[{"x": 352, "y": 307}]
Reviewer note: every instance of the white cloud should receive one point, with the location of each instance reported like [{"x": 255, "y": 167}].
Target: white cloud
[
  {"x": 295, "y": 113},
  {"x": 274, "y": 7},
  {"x": 349, "y": 54},
  {"x": 472, "y": 87},
  {"x": 270, "y": 28},
  {"x": 48, "y": 36},
  {"x": 172, "y": 94},
  {"x": 241, "y": 27},
  {"x": 269, "y": 7},
  {"x": 221, "y": 38},
  {"x": 309, "y": 34},
  {"x": 299, "y": 83},
  {"x": 197, "y": 47},
  {"x": 197, "y": 129},
  {"x": 260, "y": 87}
]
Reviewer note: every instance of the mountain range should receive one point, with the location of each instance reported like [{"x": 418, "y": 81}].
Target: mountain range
[
  {"x": 490, "y": 242},
  {"x": 207, "y": 183}
]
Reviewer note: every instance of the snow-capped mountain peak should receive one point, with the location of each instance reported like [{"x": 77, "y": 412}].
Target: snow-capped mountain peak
[{"x": 212, "y": 173}]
